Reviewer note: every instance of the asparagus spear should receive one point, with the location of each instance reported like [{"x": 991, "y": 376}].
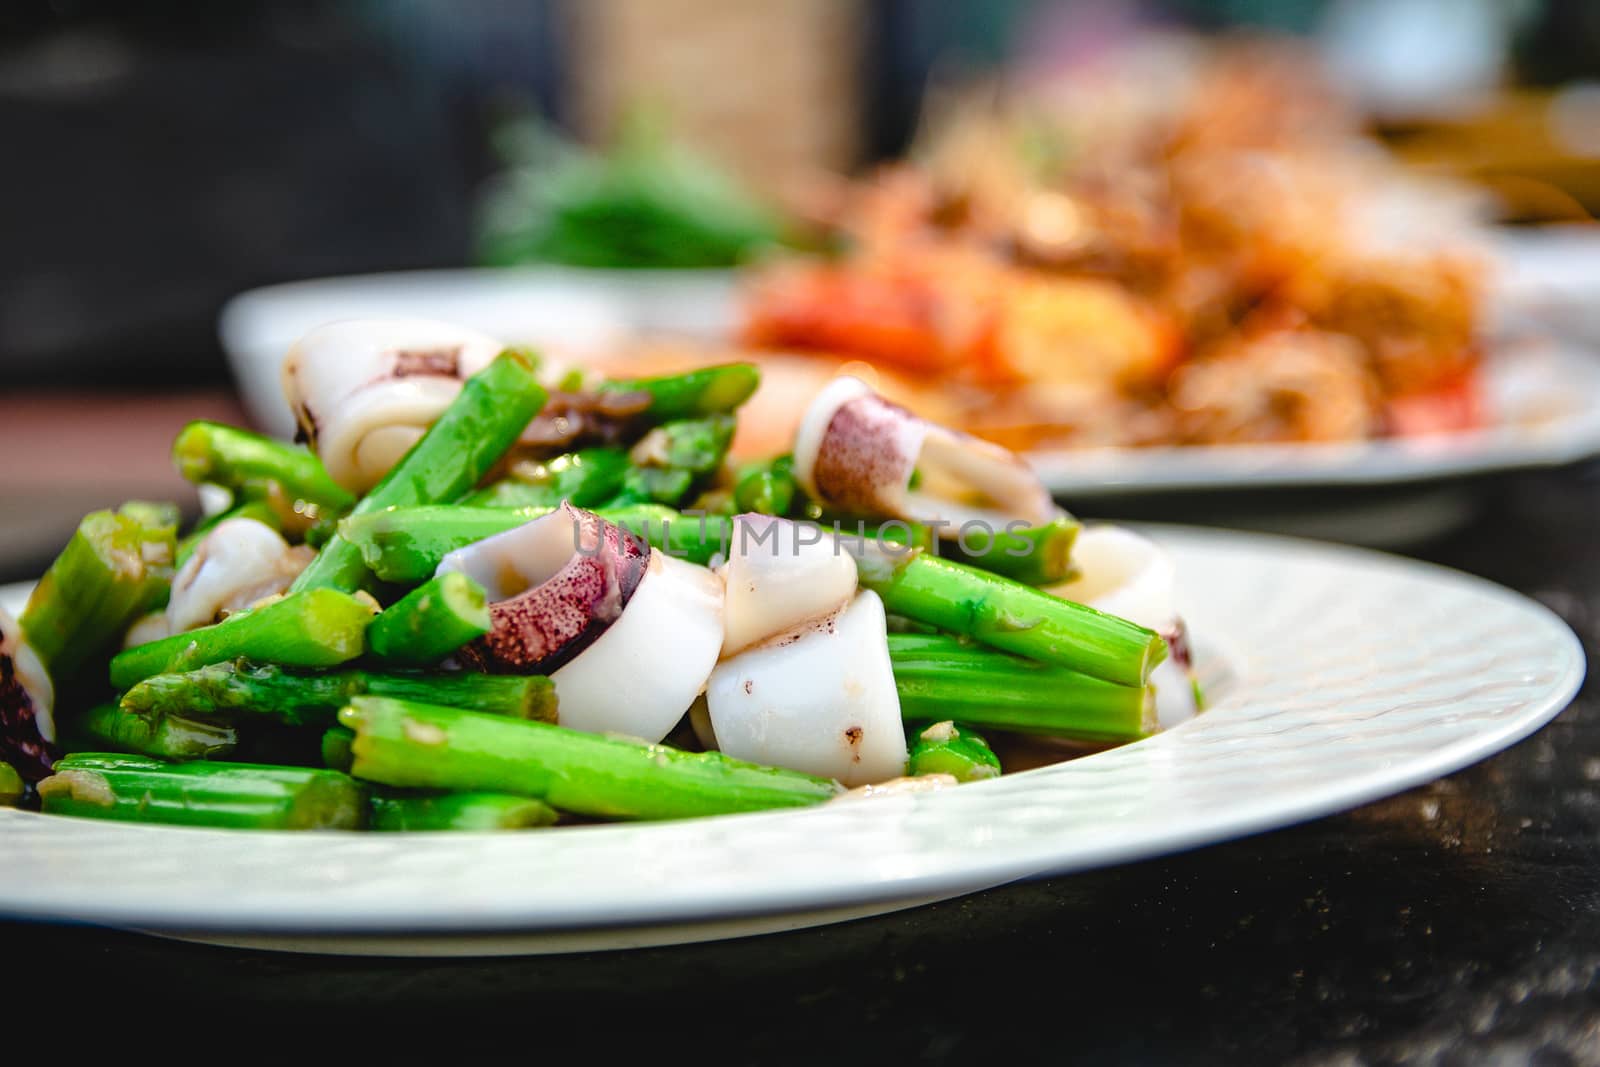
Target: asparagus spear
[
  {"x": 459, "y": 448},
  {"x": 707, "y": 391},
  {"x": 653, "y": 485},
  {"x": 171, "y": 737},
  {"x": 460, "y": 811},
  {"x": 768, "y": 488},
  {"x": 12, "y": 786},
  {"x": 231, "y": 795},
  {"x": 944, "y": 749},
  {"x": 694, "y": 445},
  {"x": 250, "y": 465},
  {"x": 942, "y": 677},
  {"x": 1008, "y": 615},
  {"x": 316, "y": 628},
  {"x": 1037, "y": 555},
  {"x": 312, "y": 698},
  {"x": 586, "y": 477},
  {"x": 405, "y": 744},
  {"x": 336, "y": 748},
  {"x": 431, "y": 621},
  {"x": 116, "y": 567}
]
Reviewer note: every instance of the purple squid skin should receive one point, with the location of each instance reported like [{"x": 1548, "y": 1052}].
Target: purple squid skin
[
  {"x": 539, "y": 630},
  {"x": 21, "y": 743}
]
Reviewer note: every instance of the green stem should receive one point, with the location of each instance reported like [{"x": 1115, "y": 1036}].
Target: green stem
[
  {"x": 943, "y": 748},
  {"x": 1008, "y": 615},
  {"x": 300, "y": 698},
  {"x": 767, "y": 488},
  {"x": 337, "y": 744},
  {"x": 316, "y": 628},
  {"x": 431, "y": 621},
  {"x": 229, "y": 795},
  {"x": 170, "y": 737},
  {"x": 1037, "y": 555},
  {"x": 460, "y": 811},
  {"x": 12, "y": 786},
  {"x": 706, "y": 391},
  {"x": 941, "y": 677},
  {"x": 420, "y": 745},
  {"x": 245, "y": 462},
  {"x": 480, "y": 424},
  {"x": 116, "y": 567},
  {"x": 586, "y": 477}
]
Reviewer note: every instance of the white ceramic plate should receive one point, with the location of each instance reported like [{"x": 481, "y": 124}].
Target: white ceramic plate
[
  {"x": 1547, "y": 398},
  {"x": 1338, "y": 676}
]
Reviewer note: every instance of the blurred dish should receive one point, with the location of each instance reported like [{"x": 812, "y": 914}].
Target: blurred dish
[{"x": 571, "y": 311}]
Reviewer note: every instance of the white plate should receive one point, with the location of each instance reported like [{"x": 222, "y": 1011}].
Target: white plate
[
  {"x": 1339, "y": 676},
  {"x": 1547, "y": 399}
]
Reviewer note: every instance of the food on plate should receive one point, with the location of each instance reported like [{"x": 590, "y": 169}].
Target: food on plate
[
  {"x": 527, "y": 594},
  {"x": 1174, "y": 244}
]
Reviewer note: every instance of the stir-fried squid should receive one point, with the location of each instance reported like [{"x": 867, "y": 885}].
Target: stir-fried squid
[{"x": 468, "y": 631}]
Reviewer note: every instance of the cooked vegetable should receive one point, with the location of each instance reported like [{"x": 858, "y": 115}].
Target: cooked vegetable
[
  {"x": 12, "y": 787},
  {"x": 944, "y": 748},
  {"x": 1033, "y": 555},
  {"x": 231, "y": 795},
  {"x": 306, "y": 697},
  {"x": 315, "y": 628},
  {"x": 336, "y": 748},
  {"x": 430, "y": 622},
  {"x": 169, "y": 737},
  {"x": 939, "y": 676},
  {"x": 460, "y": 811},
  {"x": 691, "y": 394},
  {"x": 1008, "y": 615},
  {"x": 420, "y": 745},
  {"x": 117, "y": 567},
  {"x": 468, "y": 438},
  {"x": 256, "y": 468},
  {"x": 585, "y": 478},
  {"x": 767, "y": 488}
]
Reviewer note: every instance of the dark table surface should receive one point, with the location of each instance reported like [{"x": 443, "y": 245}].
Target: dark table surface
[{"x": 1456, "y": 923}]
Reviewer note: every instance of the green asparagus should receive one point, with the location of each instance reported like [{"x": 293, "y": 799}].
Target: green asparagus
[
  {"x": 1007, "y": 614},
  {"x": 767, "y": 488},
  {"x": 229, "y": 795},
  {"x": 480, "y": 424},
  {"x": 419, "y": 745},
  {"x": 945, "y": 749},
  {"x": 692, "y": 394},
  {"x": 460, "y": 811},
  {"x": 250, "y": 466},
  {"x": 171, "y": 737},
  {"x": 943, "y": 677},
  {"x": 312, "y": 698},
  {"x": 336, "y": 748},
  {"x": 653, "y": 485},
  {"x": 695, "y": 445},
  {"x": 11, "y": 786},
  {"x": 316, "y": 628},
  {"x": 1037, "y": 555},
  {"x": 117, "y": 567},
  {"x": 586, "y": 477},
  {"x": 431, "y": 621}
]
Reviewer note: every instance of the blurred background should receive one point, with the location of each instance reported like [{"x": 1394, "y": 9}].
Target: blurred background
[{"x": 162, "y": 157}]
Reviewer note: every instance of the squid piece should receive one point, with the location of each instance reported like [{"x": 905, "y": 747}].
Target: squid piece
[
  {"x": 628, "y": 636},
  {"x": 820, "y": 699},
  {"x": 239, "y": 562},
  {"x": 857, "y": 453},
  {"x": 27, "y": 728},
  {"x": 365, "y": 390},
  {"x": 779, "y": 576},
  {"x": 1124, "y": 574}
]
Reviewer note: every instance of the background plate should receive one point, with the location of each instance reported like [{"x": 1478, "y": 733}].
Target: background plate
[{"x": 1339, "y": 676}]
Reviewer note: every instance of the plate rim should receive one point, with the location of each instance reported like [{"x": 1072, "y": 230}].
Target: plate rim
[{"x": 1041, "y": 857}]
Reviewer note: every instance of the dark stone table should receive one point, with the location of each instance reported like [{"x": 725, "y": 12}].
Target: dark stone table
[{"x": 1456, "y": 923}]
